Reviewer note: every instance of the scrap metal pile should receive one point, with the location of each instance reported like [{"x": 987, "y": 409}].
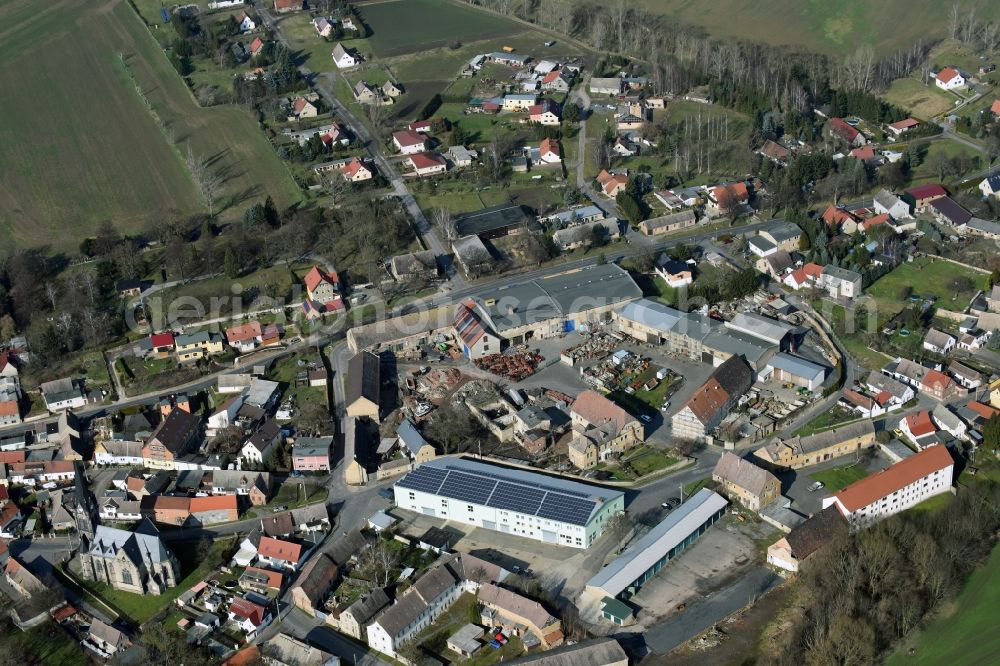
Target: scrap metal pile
[{"x": 514, "y": 365}]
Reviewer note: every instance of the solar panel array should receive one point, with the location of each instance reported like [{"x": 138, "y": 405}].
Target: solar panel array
[{"x": 504, "y": 493}]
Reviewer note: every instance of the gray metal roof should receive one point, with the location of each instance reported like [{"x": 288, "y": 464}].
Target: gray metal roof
[
  {"x": 652, "y": 314},
  {"x": 410, "y": 436},
  {"x": 312, "y": 446},
  {"x": 797, "y": 366},
  {"x": 577, "y": 213},
  {"x": 841, "y": 273},
  {"x": 761, "y": 244},
  {"x": 489, "y": 219},
  {"x": 672, "y": 530},
  {"x": 558, "y": 296},
  {"x": 782, "y": 231},
  {"x": 751, "y": 348},
  {"x": 509, "y": 489},
  {"x": 762, "y": 327},
  {"x": 138, "y": 546}
]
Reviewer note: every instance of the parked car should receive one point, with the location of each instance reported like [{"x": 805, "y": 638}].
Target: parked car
[
  {"x": 816, "y": 486},
  {"x": 646, "y": 418}
]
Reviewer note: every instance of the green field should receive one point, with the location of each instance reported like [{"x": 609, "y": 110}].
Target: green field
[
  {"x": 79, "y": 145},
  {"x": 926, "y": 277},
  {"x": 922, "y": 101},
  {"x": 417, "y": 25},
  {"x": 964, "y": 635},
  {"x": 831, "y": 26},
  {"x": 46, "y": 644},
  {"x": 839, "y": 477}
]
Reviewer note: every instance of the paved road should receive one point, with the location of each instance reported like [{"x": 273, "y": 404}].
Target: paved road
[
  {"x": 323, "y": 83},
  {"x": 700, "y": 615}
]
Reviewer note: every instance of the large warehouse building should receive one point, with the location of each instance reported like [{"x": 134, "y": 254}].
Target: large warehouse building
[
  {"x": 513, "y": 501},
  {"x": 551, "y": 306},
  {"x": 623, "y": 577}
]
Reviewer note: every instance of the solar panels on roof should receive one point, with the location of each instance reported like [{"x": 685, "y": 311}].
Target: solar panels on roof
[{"x": 508, "y": 490}]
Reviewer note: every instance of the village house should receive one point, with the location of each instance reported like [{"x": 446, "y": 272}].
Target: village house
[
  {"x": 408, "y": 142},
  {"x": 365, "y": 94},
  {"x": 612, "y": 183},
  {"x": 419, "y": 265},
  {"x": 60, "y": 394},
  {"x": 843, "y": 130},
  {"x": 278, "y": 554},
  {"x": 666, "y": 223},
  {"x": 949, "y": 78},
  {"x": 601, "y": 430},
  {"x": 990, "y": 186},
  {"x": 519, "y": 102},
  {"x": 322, "y": 292},
  {"x": 840, "y": 282},
  {"x": 192, "y": 347},
  {"x": 355, "y": 618},
  {"x": 285, "y": 6},
  {"x": 391, "y": 90},
  {"x": 460, "y": 156},
  {"x": 940, "y": 386},
  {"x": 427, "y": 164},
  {"x": 257, "y": 448},
  {"x": 948, "y": 211},
  {"x": 774, "y": 152},
  {"x": 899, "y": 127},
  {"x": 556, "y": 81},
  {"x": 343, "y": 58},
  {"x": 745, "y": 482},
  {"x": 502, "y": 607},
  {"x": 548, "y": 152},
  {"x": 888, "y": 203},
  {"x": 584, "y": 235},
  {"x": 248, "y": 616},
  {"x": 356, "y": 171},
  {"x": 545, "y": 113},
  {"x": 311, "y": 454},
  {"x": 171, "y": 439},
  {"x": 918, "y": 427},
  {"x": 938, "y": 341},
  {"x": 245, "y": 337},
  {"x": 256, "y": 47},
  {"x": 324, "y": 26},
  {"x": 923, "y": 195},
  {"x": 797, "y": 452}
]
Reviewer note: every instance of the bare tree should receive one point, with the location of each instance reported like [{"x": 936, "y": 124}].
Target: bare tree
[
  {"x": 602, "y": 154},
  {"x": 52, "y": 292},
  {"x": 378, "y": 561},
  {"x": 443, "y": 220},
  {"x": 208, "y": 182}
]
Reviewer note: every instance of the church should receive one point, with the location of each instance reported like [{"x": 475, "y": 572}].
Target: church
[{"x": 136, "y": 561}]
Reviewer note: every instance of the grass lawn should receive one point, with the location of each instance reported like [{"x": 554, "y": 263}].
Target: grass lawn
[
  {"x": 417, "y": 25},
  {"x": 93, "y": 139},
  {"x": 836, "y": 28},
  {"x": 927, "y": 277},
  {"x": 840, "y": 477},
  {"x": 272, "y": 281},
  {"x": 45, "y": 644},
  {"x": 695, "y": 486},
  {"x": 923, "y": 101},
  {"x": 650, "y": 461},
  {"x": 154, "y": 374},
  {"x": 826, "y": 420},
  {"x": 925, "y": 172},
  {"x": 962, "y": 634},
  {"x": 935, "y": 503},
  {"x": 312, "y": 49},
  {"x": 853, "y": 342},
  {"x": 290, "y": 494}
]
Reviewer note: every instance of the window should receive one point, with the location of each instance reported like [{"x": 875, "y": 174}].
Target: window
[
  {"x": 469, "y": 507},
  {"x": 412, "y": 496},
  {"x": 126, "y": 577}
]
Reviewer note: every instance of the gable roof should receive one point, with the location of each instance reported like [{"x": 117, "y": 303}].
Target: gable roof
[
  {"x": 317, "y": 577},
  {"x": 906, "y": 123},
  {"x": 279, "y": 550},
  {"x": 407, "y": 138},
  {"x": 743, "y": 473},
  {"x": 947, "y": 74},
  {"x": 426, "y": 160},
  {"x": 243, "y": 332},
  {"x": 928, "y": 190},
  {"x": 364, "y": 378},
  {"x": 844, "y": 130},
  {"x": 315, "y": 276},
  {"x": 920, "y": 424},
  {"x": 870, "y": 489},
  {"x": 596, "y": 410},
  {"x": 352, "y": 168},
  {"x": 248, "y": 610},
  {"x": 549, "y": 146},
  {"x": 834, "y": 215},
  {"x": 815, "y": 532},
  {"x": 515, "y": 604},
  {"x": 951, "y": 210}
]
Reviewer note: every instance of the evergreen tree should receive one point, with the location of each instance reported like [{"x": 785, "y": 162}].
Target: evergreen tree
[{"x": 230, "y": 266}]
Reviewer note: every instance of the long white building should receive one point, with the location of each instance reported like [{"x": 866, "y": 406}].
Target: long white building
[
  {"x": 512, "y": 501},
  {"x": 896, "y": 488},
  {"x": 624, "y": 575}
]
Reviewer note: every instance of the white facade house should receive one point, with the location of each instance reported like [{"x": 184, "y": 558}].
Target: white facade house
[
  {"x": 511, "y": 501},
  {"x": 949, "y": 78},
  {"x": 415, "y": 610},
  {"x": 990, "y": 186},
  {"x": 343, "y": 58},
  {"x": 63, "y": 394},
  {"x": 840, "y": 282},
  {"x": 897, "y": 488},
  {"x": 938, "y": 341},
  {"x": 885, "y": 202}
]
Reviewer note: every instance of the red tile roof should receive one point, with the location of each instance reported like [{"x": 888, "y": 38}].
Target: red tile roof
[
  {"x": 352, "y": 168},
  {"x": 856, "y": 398},
  {"x": 865, "y": 153},
  {"x": 213, "y": 503},
  {"x": 933, "y": 378},
  {"x": 947, "y": 74},
  {"x": 834, "y": 216},
  {"x": 905, "y": 124},
  {"x": 549, "y": 146},
  {"x": 279, "y": 550},
  {"x": 985, "y": 411},
  {"x": 243, "y": 332},
  {"x": 9, "y": 408},
  {"x": 408, "y": 138},
  {"x": 256, "y": 45},
  {"x": 873, "y": 221},
  {"x": 551, "y": 76},
  {"x": 300, "y": 103},
  {"x": 247, "y": 609},
  {"x": 274, "y": 578},
  {"x": 739, "y": 190},
  {"x": 426, "y": 160},
  {"x": 926, "y": 191},
  {"x": 866, "y": 491},
  {"x": 162, "y": 339},
  {"x": 920, "y": 424},
  {"x": 841, "y": 127},
  {"x": 315, "y": 276},
  {"x": 995, "y": 108},
  {"x": 813, "y": 270}
]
